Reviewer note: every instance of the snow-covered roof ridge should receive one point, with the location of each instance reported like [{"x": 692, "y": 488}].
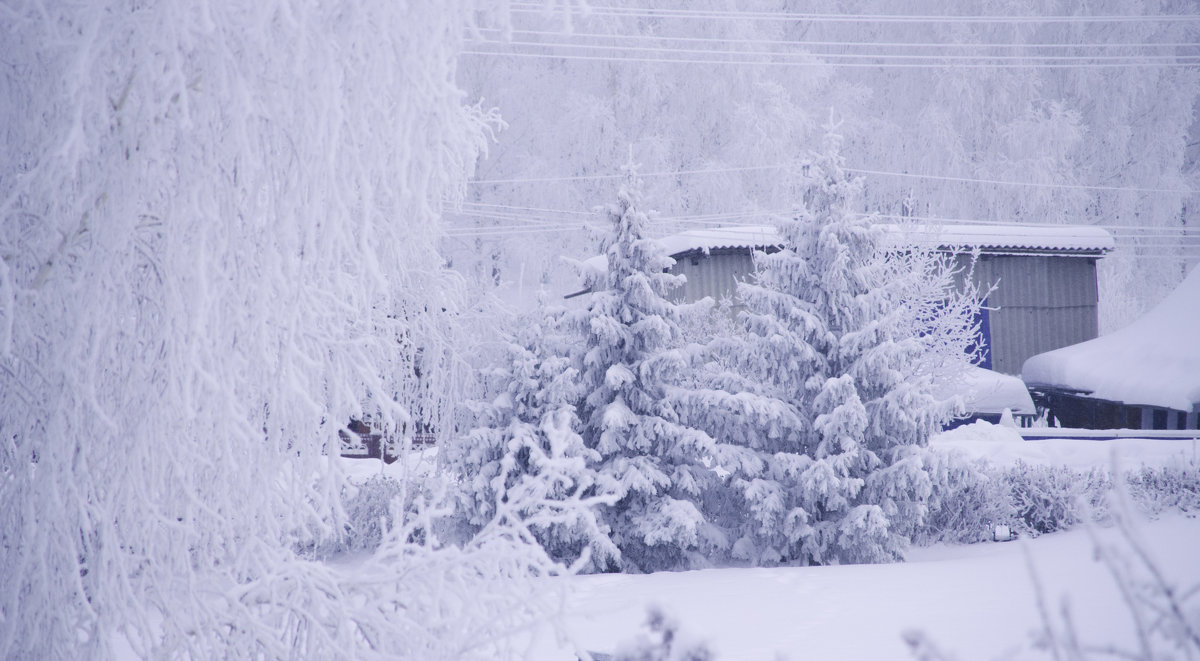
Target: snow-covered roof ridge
[
  {"x": 999, "y": 237},
  {"x": 1059, "y": 239},
  {"x": 1155, "y": 361}
]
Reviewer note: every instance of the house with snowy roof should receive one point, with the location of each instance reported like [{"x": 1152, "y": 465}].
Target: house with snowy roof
[
  {"x": 1042, "y": 277},
  {"x": 1042, "y": 280},
  {"x": 1144, "y": 376}
]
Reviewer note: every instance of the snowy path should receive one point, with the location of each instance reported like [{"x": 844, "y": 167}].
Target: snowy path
[{"x": 975, "y": 602}]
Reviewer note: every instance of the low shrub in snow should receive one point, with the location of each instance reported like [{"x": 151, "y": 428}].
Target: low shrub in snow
[
  {"x": 970, "y": 497},
  {"x": 1173, "y": 487},
  {"x": 1052, "y": 498},
  {"x": 966, "y": 502},
  {"x": 368, "y": 513}
]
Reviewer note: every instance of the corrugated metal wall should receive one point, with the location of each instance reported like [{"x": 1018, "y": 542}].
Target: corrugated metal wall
[
  {"x": 1041, "y": 303},
  {"x": 712, "y": 275}
]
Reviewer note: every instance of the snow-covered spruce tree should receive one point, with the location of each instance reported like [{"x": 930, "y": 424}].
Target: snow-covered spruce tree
[
  {"x": 216, "y": 221},
  {"x": 629, "y": 359},
  {"x": 829, "y": 386},
  {"x": 526, "y": 448}
]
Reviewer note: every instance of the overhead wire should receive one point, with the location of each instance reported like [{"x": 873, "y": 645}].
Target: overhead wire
[
  {"x": 1188, "y": 62},
  {"x": 511, "y": 212},
  {"x": 853, "y": 44},
  {"x": 782, "y": 166},
  {"x": 824, "y": 56},
  {"x": 711, "y": 14}
]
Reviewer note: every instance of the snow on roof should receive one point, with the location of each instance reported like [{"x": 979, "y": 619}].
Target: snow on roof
[
  {"x": 1038, "y": 238},
  {"x": 1154, "y": 361},
  {"x": 1079, "y": 239},
  {"x": 988, "y": 392}
]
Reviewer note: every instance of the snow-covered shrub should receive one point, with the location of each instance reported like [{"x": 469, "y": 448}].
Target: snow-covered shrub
[
  {"x": 527, "y": 443},
  {"x": 828, "y": 393},
  {"x": 412, "y": 598},
  {"x": 1052, "y": 498},
  {"x": 969, "y": 497},
  {"x": 967, "y": 500},
  {"x": 369, "y": 512},
  {"x": 1172, "y": 487}
]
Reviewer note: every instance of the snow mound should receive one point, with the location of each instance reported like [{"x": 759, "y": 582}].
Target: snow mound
[
  {"x": 988, "y": 392},
  {"x": 1154, "y": 361}
]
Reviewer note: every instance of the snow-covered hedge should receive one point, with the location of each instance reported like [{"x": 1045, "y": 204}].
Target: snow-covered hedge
[{"x": 970, "y": 497}]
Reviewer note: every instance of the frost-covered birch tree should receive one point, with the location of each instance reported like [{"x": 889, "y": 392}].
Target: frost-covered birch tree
[{"x": 217, "y": 244}]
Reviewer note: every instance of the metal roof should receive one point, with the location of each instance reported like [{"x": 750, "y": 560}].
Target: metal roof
[
  {"x": 988, "y": 238},
  {"x": 1081, "y": 240}
]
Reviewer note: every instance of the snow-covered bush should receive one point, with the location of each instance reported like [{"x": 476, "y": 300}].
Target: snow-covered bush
[
  {"x": 369, "y": 510},
  {"x": 527, "y": 443},
  {"x": 967, "y": 500},
  {"x": 1172, "y": 487},
  {"x": 1051, "y": 498},
  {"x": 1165, "y": 615}
]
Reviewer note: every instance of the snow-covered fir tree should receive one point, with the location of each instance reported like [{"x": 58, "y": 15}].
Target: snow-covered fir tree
[
  {"x": 630, "y": 359},
  {"x": 525, "y": 458},
  {"x": 829, "y": 387}
]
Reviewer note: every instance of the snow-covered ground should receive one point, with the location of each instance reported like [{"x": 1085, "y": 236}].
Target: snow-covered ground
[{"x": 974, "y": 602}]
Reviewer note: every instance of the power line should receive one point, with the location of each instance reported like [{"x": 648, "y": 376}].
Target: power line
[
  {"x": 505, "y": 211},
  {"x": 1021, "y": 183},
  {"x": 783, "y": 166},
  {"x": 505, "y": 206},
  {"x": 709, "y": 14},
  {"x": 852, "y": 44},
  {"x": 1149, "y": 237},
  {"x": 1029, "y": 60},
  {"x": 1188, "y": 62}
]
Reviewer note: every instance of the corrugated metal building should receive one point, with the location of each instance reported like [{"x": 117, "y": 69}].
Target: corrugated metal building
[
  {"x": 1040, "y": 302},
  {"x": 1044, "y": 277}
]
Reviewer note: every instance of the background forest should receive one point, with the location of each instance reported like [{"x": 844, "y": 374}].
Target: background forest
[{"x": 949, "y": 118}]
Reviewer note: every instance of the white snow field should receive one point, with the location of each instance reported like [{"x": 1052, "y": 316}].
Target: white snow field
[{"x": 974, "y": 602}]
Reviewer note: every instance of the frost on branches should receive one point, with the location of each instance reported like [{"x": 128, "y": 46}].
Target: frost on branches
[
  {"x": 218, "y": 228},
  {"x": 630, "y": 359},
  {"x": 830, "y": 387},
  {"x": 526, "y": 452}
]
